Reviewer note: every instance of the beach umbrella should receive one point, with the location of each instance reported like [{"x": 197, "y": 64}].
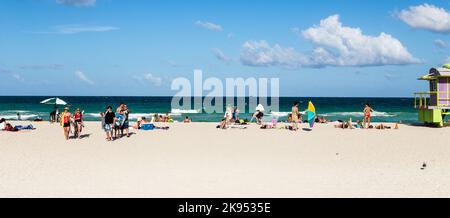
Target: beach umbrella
[
  {"x": 54, "y": 101},
  {"x": 311, "y": 114}
]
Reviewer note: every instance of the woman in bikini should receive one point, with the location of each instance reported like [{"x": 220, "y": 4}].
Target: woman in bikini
[
  {"x": 78, "y": 116},
  {"x": 66, "y": 117},
  {"x": 367, "y": 115}
]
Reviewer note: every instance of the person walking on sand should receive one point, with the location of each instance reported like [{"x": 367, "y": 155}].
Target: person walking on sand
[
  {"x": 367, "y": 115},
  {"x": 295, "y": 116},
  {"x": 110, "y": 117},
  {"x": 65, "y": 119},
  {"x": 78, "y": 117}
]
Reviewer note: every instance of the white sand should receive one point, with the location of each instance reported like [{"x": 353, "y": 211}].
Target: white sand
[{"x": 197, "y": 160}]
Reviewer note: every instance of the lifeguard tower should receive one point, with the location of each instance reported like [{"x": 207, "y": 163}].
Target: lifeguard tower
[{"x": 433, "y": 106}]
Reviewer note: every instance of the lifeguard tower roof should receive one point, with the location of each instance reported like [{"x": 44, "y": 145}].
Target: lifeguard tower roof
[{"x": 436, "y": 73}]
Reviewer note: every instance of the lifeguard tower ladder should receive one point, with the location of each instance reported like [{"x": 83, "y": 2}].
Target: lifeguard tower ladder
[{"x": 433, "y": 106}]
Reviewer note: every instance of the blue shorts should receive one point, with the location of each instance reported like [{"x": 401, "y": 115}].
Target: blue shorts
[
  {"x": 126, "y": 125},
  {"x": 108, "y": 127}
]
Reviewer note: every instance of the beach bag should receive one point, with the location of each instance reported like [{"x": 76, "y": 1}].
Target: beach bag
[{"x": 147, "y": 126}]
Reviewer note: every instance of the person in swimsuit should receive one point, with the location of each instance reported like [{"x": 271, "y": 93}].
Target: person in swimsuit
[
  {"x": 78, "y": 117},
  {"x": 66, "y": 117},
  {"x": 295, "y": 116},
  {"x": 367, "y": 115}
]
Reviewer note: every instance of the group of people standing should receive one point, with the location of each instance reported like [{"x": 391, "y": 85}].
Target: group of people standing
[
  {"x": 68, "y": 119},
  {"x": 116, "y": 122}
]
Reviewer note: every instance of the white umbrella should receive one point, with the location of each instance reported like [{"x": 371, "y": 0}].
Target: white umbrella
[{"x": 55, "y": 101}]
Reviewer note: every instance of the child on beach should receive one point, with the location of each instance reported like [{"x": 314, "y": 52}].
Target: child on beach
[
  {"x": 109, "y": 122},
  {"x": 367, "y": 115}
]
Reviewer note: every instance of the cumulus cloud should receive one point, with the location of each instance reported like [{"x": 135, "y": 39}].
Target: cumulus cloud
[
  {"x": 334, "y": 45},
  {"x": 209, "y": 26},
  {"x": 440, "y": 43},
  {"x": 428, "y": 17},
  {"x": 260, "y": 53},
  {"x": 84, "y": 78},
  {"x": 221, "y": 56},
  {"x": 80, "y": 3}
]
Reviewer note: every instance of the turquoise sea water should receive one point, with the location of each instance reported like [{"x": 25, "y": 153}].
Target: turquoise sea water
[{"x": 387, "y": 109}]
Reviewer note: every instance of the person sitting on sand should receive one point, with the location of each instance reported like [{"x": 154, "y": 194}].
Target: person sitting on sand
[
  {"x": 235, "y": 117},
  {"x": 110, "y": 117},
  {"x": 78, "y": 117},
  {"x": 2, "y": 124},
  {"x": 359, "y": 124},
  {"x": 187, "y": 120},
  {"x": 66, "y": 118},
  {"x": 228, "y": 116},
  {"x": 259, "y": 114},
  {"x": 367, "y": 115}
]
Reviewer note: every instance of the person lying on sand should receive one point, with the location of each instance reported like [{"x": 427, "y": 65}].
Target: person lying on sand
[
  {"x": 345, "y": 125},
  {"x": 382, "y": 126}
]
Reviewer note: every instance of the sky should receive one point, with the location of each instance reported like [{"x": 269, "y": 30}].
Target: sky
[{"x": 333, "y": 48}]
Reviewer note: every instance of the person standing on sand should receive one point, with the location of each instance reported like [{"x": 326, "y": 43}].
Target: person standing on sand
[
  {"x": 66, "y": 117},
  {"x": 78, "y": 117},
  {"x": 295, "y": 116},
  {"x": 110, "y": 117},
  {"x": 367, "y": 115},
  {"x": 126, "y": 123}
]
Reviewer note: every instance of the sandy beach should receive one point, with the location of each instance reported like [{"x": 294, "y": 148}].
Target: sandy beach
[{"x": 198, "y": 160}]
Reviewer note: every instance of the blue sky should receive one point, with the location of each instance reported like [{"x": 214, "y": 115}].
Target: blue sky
[{"x": 316, "y": 48}]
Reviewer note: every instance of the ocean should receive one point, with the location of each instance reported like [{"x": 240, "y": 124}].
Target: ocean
[{"x": 386, "y": 109}]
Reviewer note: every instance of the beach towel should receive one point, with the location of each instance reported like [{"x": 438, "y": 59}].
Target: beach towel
[
  {"x": 29, "y": 127},
  {"x": 147, "y": 126}
]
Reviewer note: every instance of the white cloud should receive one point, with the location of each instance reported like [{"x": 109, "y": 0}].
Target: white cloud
[
  {"x": 42, "y": 67},
  {"x": 428, "y": 17},
  {"x": 209, "y": 26},
  {"x": 84, "y": 78},
  {"x": 221, "y": 56},
  {"x": 156, "y": 81},
  {"x": 18, "y": 77},
  {"x": 81, "y": 3},
  {"x": 440, "y": 43},
  {"x": 74, "y": 29},
  {"x": 334, "y": 45},
  {"x": 260, "y": 53}
]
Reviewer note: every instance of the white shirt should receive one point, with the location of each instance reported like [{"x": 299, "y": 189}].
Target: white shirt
[{"x": 2, "y": 126}]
